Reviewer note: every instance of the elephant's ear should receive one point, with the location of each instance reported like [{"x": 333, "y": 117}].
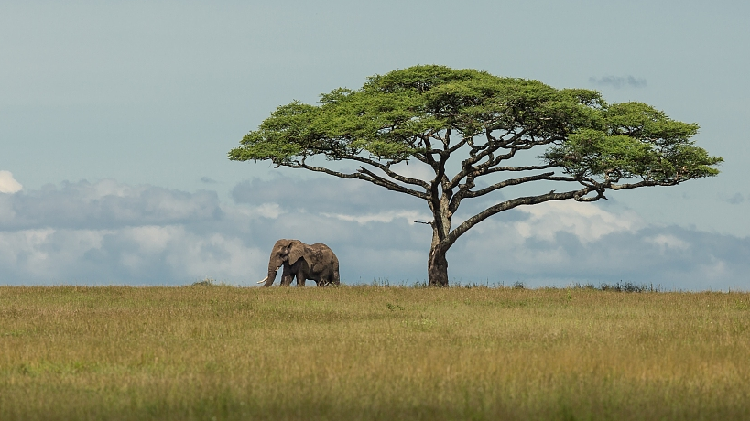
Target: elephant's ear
[{"x": 296, "y": 250}]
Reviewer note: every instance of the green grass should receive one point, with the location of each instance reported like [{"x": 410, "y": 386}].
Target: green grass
[{"x": 229, "y": 353}]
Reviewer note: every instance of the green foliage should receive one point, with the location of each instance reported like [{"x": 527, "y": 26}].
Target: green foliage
[
  {"x": 634, "y": 140},
  {"x": 393, "y": 307},
  {"x": 208, "y": 282},
  {"x": 392, "y": 116},
  {"x": 628, "y": 287}
]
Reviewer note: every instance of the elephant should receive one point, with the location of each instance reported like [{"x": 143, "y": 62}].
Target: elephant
[{"x": 305, "y": 261}]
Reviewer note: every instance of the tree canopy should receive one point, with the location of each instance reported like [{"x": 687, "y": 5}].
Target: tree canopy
[{"x": 434, "y": 114}]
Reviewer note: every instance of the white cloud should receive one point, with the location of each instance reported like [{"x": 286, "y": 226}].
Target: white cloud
[
  {"x": 414, "y": 169},
  {"x": 137, "y": 255},
  {"x": 265, "y": 210},
  {"x": 218, "y": 255},
  {"x": 714, "y": 271},
  {"x": 107, "y": 232},
  {"x": 667, "y": 241},
  {"x": 618, "y": 82},
  {"x": 152, "y": 239},
  {"x": 8, "y": 184},
  {"x": 587, "y": 221},
  {"x": 106, "y": 203},
  {"x": 388, "y": 216},
  {"x": 45, "y": 254}
]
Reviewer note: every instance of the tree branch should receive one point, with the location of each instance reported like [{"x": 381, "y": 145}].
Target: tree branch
[
  {"x": 578, "y": 195},
  {"x": 644, "y": 183},
  {"x": 364, "y": 174},
  {"x": 530, "y": 168},
  {"x": 391, "y": 173},
  {"x": 487, "y": 151},
  {"x": 465, "y": 193}
]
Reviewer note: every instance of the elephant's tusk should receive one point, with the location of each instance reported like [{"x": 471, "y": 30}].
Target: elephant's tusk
[{"x": 262, "y": 280}]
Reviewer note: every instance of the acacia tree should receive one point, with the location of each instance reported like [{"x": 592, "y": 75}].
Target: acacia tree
[{"x": 469, "y": 124}]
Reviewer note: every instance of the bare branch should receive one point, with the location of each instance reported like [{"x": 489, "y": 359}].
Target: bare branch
[
  {"x": 644, "y": 183},
  {"x": 428, "y": 157},
  {"x": 486, "y": 151},
  {"x": 364, "y": 174},
  {"x": 530, "y": 168},
  {"x": 465, "y": 193},
  {"x": 509, "y": 182},
  {"x": 391, "y": 173},
  {"x": 491, "y": 165},
  {"x": 458, "y": 145},
  {"x": 446, "y": 140},
  {"x": 578, "y": 195}
]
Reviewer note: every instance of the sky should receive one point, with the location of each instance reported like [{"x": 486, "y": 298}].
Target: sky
[{"x": 116, "y": 118}]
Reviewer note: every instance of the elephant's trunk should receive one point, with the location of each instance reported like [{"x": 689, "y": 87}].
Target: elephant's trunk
[{"x": 271, "y": 277}]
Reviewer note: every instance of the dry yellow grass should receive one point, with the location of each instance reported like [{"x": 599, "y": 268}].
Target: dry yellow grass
[{"x": 229, "y": 353}]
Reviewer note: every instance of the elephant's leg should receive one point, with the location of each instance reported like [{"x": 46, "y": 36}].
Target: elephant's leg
[
  {"x": 336, "y": 279},
  {"x": 286, "y": 276},
  {"x": 299, "y": 272}
]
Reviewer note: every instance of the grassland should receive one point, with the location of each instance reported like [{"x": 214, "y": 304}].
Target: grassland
[{"x": 229, "y": 353}]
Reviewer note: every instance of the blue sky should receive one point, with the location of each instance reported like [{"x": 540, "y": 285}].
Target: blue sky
[{"x": 116, "y": 117}]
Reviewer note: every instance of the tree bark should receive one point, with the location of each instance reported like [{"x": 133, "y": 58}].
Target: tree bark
[{"x": 437, "y": 266}]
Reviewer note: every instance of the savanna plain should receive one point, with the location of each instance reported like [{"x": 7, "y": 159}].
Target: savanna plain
[{"x": 372, "y": 352}]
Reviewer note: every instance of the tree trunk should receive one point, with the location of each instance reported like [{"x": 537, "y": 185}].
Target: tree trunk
[{"x": 437, "y": 266}]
